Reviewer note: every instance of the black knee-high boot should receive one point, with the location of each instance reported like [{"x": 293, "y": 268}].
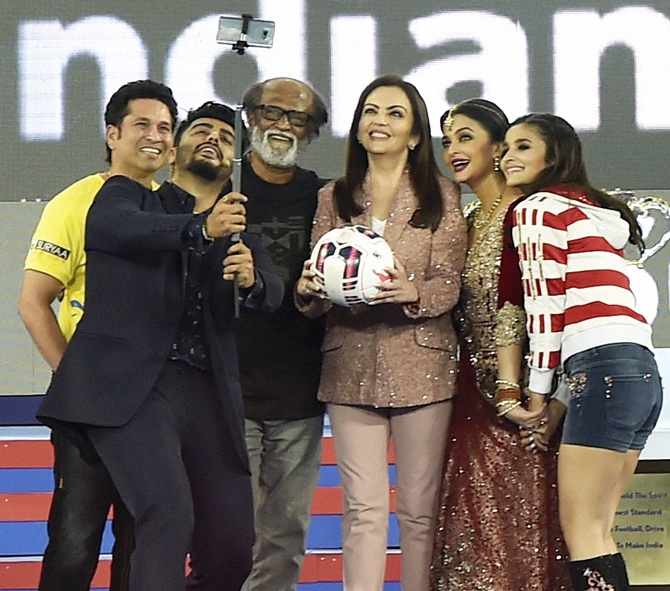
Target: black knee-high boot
[
  {"x": 623, "y": 584},
  {"x": 599, "y": 573}
]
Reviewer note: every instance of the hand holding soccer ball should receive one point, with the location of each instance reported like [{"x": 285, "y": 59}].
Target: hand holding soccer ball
[
  {"x": 399, "y": 289},
  {"x": 349, "y": 265}
]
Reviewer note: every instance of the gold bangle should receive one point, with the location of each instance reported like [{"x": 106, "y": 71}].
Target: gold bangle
[
  {"x": 509, "y": 408},
  {"x": 508, "y": 383},
  {"x": 506, "y": 402}
]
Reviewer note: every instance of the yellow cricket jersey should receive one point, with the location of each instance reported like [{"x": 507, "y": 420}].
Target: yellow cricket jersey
[{"x": 57, "y": 246}]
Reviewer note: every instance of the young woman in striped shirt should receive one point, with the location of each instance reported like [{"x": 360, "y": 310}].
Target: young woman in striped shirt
[{"x": 581, "y": 313}]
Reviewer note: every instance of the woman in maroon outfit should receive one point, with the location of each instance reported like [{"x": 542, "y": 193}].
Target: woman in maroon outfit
[{"x": 497, "y": 526}]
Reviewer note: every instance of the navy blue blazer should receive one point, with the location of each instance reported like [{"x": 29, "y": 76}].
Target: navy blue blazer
[{"x": 135, "y": 278}]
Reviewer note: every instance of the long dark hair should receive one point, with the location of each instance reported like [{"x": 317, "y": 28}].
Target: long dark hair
[
  {"x": 423, "y": 171},
  {"x": 565, "y": 165}
]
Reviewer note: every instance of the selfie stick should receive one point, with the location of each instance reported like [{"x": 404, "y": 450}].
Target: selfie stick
[
  {"x": 237, "y": 187},
  {"x": 240, "y": 46}
]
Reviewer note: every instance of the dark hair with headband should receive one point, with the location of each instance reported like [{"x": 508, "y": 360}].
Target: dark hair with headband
[{"x": 489, "y": 115}]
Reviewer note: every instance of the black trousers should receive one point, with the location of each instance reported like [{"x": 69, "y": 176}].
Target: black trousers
[
  {"x": 83, "y": 494},
  {"x": 177, "y": 470}
]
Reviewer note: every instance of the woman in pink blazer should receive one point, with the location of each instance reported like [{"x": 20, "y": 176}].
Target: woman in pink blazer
[{"x": 389, "y": 368}]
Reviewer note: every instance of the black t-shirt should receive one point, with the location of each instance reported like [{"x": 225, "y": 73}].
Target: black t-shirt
[{"x": 280, "y": 353}]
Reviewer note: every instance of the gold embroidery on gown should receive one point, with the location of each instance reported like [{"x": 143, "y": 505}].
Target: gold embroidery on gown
[{"x": 497, "y": 527}]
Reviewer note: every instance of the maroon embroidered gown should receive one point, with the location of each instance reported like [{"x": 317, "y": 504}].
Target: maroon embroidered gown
[{"x": 497, "y": 527}]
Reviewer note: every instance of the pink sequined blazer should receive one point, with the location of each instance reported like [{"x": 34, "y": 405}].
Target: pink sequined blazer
[{"x": 393, "y": 355}]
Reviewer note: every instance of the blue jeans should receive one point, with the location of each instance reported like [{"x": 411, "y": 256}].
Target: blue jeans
[
  {"x": 615, "y": 397},
  {"x": 83, "y": 494}
]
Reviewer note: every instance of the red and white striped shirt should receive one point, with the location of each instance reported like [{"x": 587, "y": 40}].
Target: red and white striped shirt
[{"x": 576, "y": 291}]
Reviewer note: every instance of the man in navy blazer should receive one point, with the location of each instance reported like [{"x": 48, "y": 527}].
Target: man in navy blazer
[{"x": 149, "y": 382}]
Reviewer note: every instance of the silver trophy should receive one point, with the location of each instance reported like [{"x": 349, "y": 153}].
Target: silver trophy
[{"x": 652, "y": 213}]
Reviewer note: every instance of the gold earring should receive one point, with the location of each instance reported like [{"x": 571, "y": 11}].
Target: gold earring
[{"x": 496, "y": 163}]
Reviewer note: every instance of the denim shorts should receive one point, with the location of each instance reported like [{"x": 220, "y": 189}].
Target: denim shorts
[{"x": 615, "y": 397}]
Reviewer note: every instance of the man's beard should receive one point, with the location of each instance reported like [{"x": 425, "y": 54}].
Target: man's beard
[
  {"x": 207, "y": 170},
  {"x": 279, "y": 158},
  {"x": 204, "y": 169}
]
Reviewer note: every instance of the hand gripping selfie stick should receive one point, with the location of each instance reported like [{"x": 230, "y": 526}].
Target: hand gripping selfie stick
[{"x": 242, "y": 33}]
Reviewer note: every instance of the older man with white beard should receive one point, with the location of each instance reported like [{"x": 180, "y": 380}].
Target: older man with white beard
[{"x": 280, "y": 358}]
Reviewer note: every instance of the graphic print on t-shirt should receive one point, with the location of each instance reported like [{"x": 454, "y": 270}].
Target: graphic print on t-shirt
[{"x": 281, "y": 237}]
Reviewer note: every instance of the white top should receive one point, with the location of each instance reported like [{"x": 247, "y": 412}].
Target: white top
[{"x": 378, "y": 225}]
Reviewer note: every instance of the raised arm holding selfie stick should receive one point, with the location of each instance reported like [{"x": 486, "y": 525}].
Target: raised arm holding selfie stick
[{"x": 242, "y": 33}]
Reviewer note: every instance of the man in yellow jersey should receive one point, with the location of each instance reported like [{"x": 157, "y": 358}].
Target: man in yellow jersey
[{"x": 55, "y": 268}]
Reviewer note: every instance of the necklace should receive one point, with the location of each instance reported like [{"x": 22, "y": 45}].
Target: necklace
[{"x": 479, "y": 224}]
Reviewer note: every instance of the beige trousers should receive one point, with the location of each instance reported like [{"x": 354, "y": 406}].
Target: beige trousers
[{"x": 361, "y": 439}]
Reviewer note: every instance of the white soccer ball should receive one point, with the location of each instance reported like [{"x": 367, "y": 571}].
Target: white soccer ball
[{"x": 350, "y": 264}]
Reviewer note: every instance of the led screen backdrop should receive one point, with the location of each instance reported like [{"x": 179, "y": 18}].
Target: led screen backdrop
[{"x": 603, "y": 65}]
